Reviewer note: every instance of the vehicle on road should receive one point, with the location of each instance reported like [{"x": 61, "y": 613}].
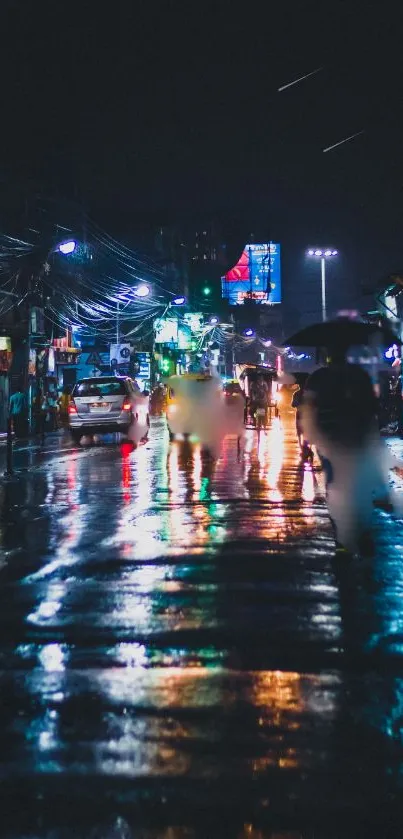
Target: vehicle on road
[
  {"x": 259, "y": 409},
  {"x": 108, "y": 404},
  {"x": 193, "y": 401},
  {"x": 232, "y": 390}
]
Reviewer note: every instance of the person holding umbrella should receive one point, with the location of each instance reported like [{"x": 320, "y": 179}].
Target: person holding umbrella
[{"x": 339, "y": 416}]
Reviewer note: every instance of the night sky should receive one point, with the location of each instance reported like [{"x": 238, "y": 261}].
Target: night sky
[{"x": 158, "y": 109}]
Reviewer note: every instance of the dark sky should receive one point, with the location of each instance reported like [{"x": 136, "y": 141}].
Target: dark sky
[{"x": 171, "y": 107}]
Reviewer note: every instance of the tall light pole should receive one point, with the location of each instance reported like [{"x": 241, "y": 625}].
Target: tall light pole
[
  {"x": 323, "y": 255},
  {"x": 42, "y": 267}
]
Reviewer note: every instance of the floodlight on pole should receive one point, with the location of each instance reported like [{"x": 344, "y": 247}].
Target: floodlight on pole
[{"x": 323, "y": 255}]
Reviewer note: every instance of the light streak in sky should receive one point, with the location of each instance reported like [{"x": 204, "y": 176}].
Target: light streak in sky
[
  {"x": 301, "y": 79},
  {"x": 341, "y": 142}
]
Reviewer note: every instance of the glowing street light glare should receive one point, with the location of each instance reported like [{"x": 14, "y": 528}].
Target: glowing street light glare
[
  {"x": 214, "y": 320},
  {"x": 321, "y": 253},
  {"x": 248, "y": 333},
  {"x": 141, "y": 291},
  {"x": 178, "y": 301},
  {"x": 67, "y": 247}
]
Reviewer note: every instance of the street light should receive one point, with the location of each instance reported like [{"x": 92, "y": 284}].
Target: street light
[
  {"x": 142, "y": 290},
  {"x": 178, "y": 301},
  {"x": 249, "y": 333},
  {"x": 323, "y": 255},
  {"x": 67, "y": 247},
  {"x": 214, "y": 320}
]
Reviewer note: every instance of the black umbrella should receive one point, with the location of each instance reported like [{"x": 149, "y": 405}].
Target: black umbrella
[
  {"x": 341, "y": 334},
  {"x": 300, "y": 378}
]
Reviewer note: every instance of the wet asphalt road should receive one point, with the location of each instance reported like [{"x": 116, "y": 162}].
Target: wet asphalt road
[{"x": 180, "y": 654}]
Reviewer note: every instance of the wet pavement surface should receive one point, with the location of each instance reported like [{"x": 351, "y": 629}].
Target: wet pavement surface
[{"x": 181, "y": 656}]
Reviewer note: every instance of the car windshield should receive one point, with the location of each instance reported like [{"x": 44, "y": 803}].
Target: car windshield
[{"x": 108, "y": 388}]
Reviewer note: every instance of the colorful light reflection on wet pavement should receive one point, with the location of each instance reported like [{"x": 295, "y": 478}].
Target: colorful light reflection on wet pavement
[{"x": 181, "y": 656}]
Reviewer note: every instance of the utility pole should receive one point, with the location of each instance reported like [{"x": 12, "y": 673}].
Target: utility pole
[
  {"x": 323, "y": 278},
  {"x": 268, "y": 285}
]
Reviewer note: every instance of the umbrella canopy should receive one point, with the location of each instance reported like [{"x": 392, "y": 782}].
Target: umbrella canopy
[
  {"x": 341, "y": 334},
  {"x": 301, "y": 378}
]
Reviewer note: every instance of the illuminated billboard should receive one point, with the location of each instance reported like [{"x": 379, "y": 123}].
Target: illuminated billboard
[
  {"x": 256, "y": 276},
  {"x": 166, "y": 331}
]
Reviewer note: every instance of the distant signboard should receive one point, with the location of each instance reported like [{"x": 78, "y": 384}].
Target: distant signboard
[
  {"x": 119, "y": 356},
  {"x": 166, "y": 331},
  {"x": 37, "y": 321},
  {"x": 256, "y": 276},
  {"x": 51, "y": 360},
  {"x": 195, "y": 321},
  {"x": 142, "y": 362},
  {"x": 184, "y": 337},
  {"x": 90, "y": 362}
]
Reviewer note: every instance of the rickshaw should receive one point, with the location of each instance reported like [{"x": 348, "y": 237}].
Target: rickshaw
[{"x": 248, "y": 376}]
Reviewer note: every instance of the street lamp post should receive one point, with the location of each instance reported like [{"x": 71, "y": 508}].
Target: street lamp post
[
  {"x": 323, "y": 255},
  {"x": 66, "y": 248},
  {"x": 117, "y": 323}
]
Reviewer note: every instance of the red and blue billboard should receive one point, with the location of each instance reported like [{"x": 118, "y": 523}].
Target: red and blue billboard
[{"x": 256, "y": 276}]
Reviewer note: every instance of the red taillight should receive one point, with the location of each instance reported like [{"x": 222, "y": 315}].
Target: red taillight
[
  {"x": 72, "y": 409},
  {"x": 126, "y": 406}
]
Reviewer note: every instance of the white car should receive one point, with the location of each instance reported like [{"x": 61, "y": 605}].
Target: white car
[{"x": 107, "y": 404}]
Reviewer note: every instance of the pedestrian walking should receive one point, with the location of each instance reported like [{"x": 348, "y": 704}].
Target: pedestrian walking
[
  {"x": 297, "y": 399},
  {"x": 64, "y": 401},
  {"x": 18, "y": 412},
  {"x": 339, "y": 416},
  {"x": 42, "y": 414},
  {"x": 53, "y": 411}
]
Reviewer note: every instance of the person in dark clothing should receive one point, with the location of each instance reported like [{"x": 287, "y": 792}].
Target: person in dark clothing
[
  {"x": 296, "y": 403},
  {"x": 340, "y": 418},
  {"x": 345, "y": 402},
  {"x": 259, "y": 395},
  {"x": 42, "y": 413},
  {"x": 18, "y": 412}
]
